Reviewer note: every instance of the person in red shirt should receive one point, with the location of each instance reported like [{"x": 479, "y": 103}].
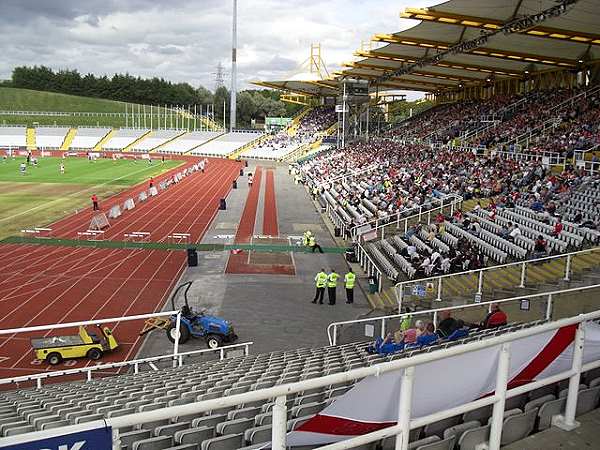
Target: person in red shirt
[
  {"x": 151, "y": 181},
  {"x": 95, "y": 203},
  {"x": 495, "y": 318},
  {"x": 558, "y": 227}
]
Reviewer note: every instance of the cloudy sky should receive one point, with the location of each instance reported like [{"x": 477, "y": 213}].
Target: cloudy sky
[{"x": 184, "y": 40}]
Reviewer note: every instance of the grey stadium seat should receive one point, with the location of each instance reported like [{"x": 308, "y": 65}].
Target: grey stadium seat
[
  {"x": 458, "y": 430},
  {"x": 154, "y": 443},
  {"x": 549, "y": 409},
  {"x": 437, "y": 428},
  {"x": 229, "y": 442},
  {"x": 518, "y": 426},
  {"x": 425, "y": 441},
  {"x": 470, "y": 439},
  {"x": 234, "y": 426},
  {"x": 129, "y": 437},
  {"x": 445, "y": 444},
  {"x": 194, "y": 435},
  {"x": 538, "y": 402}
]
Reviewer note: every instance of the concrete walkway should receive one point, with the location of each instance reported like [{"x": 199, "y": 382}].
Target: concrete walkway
[
  {"x": 584, "y": 437},
  {"x": 273, "y": 311}
]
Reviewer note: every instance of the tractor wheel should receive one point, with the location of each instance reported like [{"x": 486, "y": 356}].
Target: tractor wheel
[
  {"x": 214, "y": 341},
  {"x": 54, "y": 358},
  {"x": 94, "y": 354},
  {"x": 184, "y": 333}
]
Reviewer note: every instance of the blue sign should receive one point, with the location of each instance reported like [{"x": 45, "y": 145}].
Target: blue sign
[
  {"x": 94, "y": 439},
  {"x": 419, "y": 290}
]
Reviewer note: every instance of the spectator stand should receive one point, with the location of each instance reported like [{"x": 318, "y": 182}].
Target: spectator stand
[
  {"x": 547, "y": 159},
  {"x": 522, "y": 272}
]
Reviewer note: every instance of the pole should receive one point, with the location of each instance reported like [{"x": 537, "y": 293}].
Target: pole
[
  {"x": 144, "y": 115},
  {"x": 224, "y": 114},
  {"x": 233, "y": 69},
  {"x": 344, "y": 117},
  {"x": 404, "y": 408},
  {"x": 126, "y": 116},
  {"x": 498, "y": 409},
  {"x": 150, "y": 116},
  {"x": 195, "y": 116},
  {"x": 279, "y": 426}
]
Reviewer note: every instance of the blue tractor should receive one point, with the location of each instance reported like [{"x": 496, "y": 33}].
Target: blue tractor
[{"x": 215, "y": 330}]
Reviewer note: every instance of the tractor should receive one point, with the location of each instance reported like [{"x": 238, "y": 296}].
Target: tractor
[{"x": 215, "y": 330}]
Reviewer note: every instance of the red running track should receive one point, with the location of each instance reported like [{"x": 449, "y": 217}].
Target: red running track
[
  {"x": 270, "y": 226},
  {"x": 45, "y": 285}
]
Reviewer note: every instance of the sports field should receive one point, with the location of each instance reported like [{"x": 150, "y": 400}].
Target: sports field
[{"x": 44, "y": 195}]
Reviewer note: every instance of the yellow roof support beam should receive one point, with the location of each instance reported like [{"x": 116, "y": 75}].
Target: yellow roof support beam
[
  {"x": 383, "y": 69},
  {"x": 481, "y": 51},
  {"x": 376, "y": 54},
  {"x": 431, "y": 15}
]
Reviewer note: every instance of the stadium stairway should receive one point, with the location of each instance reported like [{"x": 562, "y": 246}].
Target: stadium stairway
[
  {"x": 238, "y": 153},
  {"x": 30, "y": 138},
  {"x": 104, "y": 140},
  {"x": 141, "y": 138},
  {"x": 68, "y": 139},
  {"x": 157, "y": 148},
  {"x": 293, "y": 126}
]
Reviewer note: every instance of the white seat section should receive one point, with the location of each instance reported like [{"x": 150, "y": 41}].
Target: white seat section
[
  {"x": 268, "y": 152},
  {"x": 189, "y": 141},
  {"x": 123, "y": 138},
  {"x": 155, "y": 139},
  {"x": 50, "y": 137},
  {"x": 13, "y": 136},
  {"x": 227, "y": 143},
  {"x": 87, "y": 138}
]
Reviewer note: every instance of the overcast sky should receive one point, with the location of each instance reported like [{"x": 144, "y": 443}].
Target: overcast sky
[{"x": 184, "y": 40}]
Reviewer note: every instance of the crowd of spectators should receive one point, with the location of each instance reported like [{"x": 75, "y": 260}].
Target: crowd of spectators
[
  {"x": 395, "y": 177},
  {"x": 317, "y": 120},
  {"x": 424, "y": 334}
]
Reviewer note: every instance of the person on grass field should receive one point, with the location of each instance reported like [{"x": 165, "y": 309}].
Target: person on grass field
[
  {"x": 95, "y": 206},
  {"x": 62, "y": 168},
  {"x": 22, "y": 168}
]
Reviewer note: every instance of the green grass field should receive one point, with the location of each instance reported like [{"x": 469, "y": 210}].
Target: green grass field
[
  {"x": 15, "y": 99},
  {"x": 44, "y": 195}
]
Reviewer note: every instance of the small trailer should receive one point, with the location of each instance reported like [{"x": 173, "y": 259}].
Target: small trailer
[{"x": 54, "y": 349}]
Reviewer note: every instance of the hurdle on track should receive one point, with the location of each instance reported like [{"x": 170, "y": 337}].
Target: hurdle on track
[
  {"x": 179, "y": 238},
  {"x": 38, "y": 232},
  {"x": 137, "y": 236},
  {"x": 91, "y": 235}
]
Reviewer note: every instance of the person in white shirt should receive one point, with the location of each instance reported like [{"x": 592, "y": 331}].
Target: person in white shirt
[{"x": 516, "y": 231}]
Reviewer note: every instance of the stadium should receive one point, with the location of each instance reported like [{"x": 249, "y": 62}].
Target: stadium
[{"x": 400, "y": 252}]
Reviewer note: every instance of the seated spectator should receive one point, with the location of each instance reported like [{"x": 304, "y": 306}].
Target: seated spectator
[
  {"x": 558, "y": 227},
  {"x": 447, "y": 325},
  {"x": 540, "y": 248},
  {"x": 459, "y": 333},
  {"x": 391, "y": 344},
  {"x": 495, "y": 318},
  {"x": 514, "y": 232}
]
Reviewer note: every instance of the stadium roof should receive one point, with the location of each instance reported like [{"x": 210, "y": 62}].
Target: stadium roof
[{"x": 564, "y": 42}]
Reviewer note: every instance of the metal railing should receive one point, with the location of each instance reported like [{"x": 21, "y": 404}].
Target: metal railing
[
  {"x": 438, "y": 280},
  {"x": 549, "y": 158},
  {"x": 334, "y": 328},
  {"x": 176, "y": 356},
  {"x": 405, "y": 367}
]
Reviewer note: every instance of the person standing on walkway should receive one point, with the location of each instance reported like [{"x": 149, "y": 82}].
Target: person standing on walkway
[
  {"x": 320, "y": 282},
  {"x": 312, "y": 243},
  {"x": 349, "y": 280},
  {"x": 95, "y": 203},
  {"x": 332, "y": 279}
]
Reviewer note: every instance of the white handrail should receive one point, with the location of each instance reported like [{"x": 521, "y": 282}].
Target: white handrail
[
  {"x": 133, "y": 362},
  {"x": 399, "y": 286},
  {"x": 435, "y": 311},
  {"x": 280, "y": 392}
]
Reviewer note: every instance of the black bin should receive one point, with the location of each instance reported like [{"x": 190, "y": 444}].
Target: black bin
[
  {"x": 234, "y": 185},
  {"x": 192, "y": 256},
  {"x": 246, "y": 163},
  {"x": 241, "y": 172},
  {"x": 222, "y": 204},
  {"x": 337, "y": 231}
]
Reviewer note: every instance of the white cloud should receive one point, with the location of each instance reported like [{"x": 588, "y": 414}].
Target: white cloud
[{"x": 185, "y": 40}]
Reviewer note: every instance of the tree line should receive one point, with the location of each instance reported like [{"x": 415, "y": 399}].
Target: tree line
[{"x": 252, "y": 105}]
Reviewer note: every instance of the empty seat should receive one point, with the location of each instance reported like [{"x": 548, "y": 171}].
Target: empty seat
[
  {"x": 549, "y": 409},
  {"x": 154, "y": 443},
  {"x": 194, "y": 435},
  {"x": 234, "y": 426},
  {"x": 444, "y": 444},
  {"x": 518, "y": 426},
  {"x": 209, "y": 421},
  {"x": 258, "y": 434},
  {"x": 458, "y": 430},
  {"x": 437, "y": 428},
  {"x": 129, "y": 437},
  {"x": 171, "y": 429},
  {"x": 228, "y": 442},
  {"x": 470, "y": 439}
]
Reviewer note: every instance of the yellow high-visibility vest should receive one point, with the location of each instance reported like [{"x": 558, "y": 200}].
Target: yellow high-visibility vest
[
  {"x": 311, "y": 241},
  {"x": 321, "y": 279},
  {"x": 349, "y": 279},
  {"x": 332, "y": 279}
]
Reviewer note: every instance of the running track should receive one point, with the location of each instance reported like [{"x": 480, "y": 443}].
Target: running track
[{"x": 45, "y": 285}]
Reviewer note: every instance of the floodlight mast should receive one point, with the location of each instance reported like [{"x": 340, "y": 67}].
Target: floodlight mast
[{"x": 232, "y": 113}]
